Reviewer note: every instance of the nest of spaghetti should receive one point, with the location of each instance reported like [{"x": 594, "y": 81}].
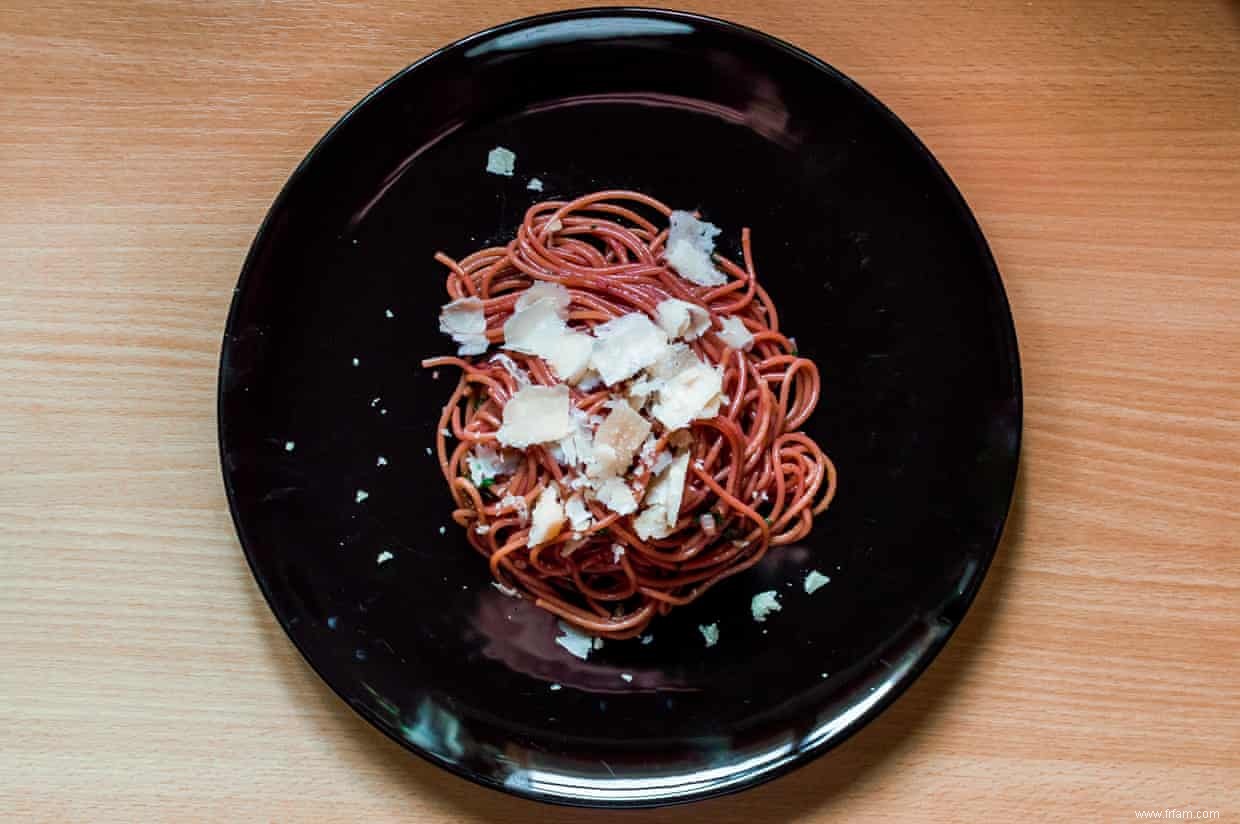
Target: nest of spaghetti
[{"x": 625, "y": 432}]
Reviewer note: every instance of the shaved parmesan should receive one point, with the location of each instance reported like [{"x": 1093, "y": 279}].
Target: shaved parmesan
[
  {"x": 663, "y": 500},
  {"x": 693, "y": 393},
  {"x": 626, "y": 345},
  {"x": 589, "y": 381},
  {"x": 548, "y": 517},
  {"x": 681, "y": 319},
  {"x": 543, "y": 290},
  {"x": 710, "y": 634},
  {"x": 735, "y": 334},
  {"x": 535, "y": 414},
  {"x": 576, "y": 448},
  {"x": 689, "y": 245},
  {"x": 532, "y": 327},
  {"x": 538, "y": 328},
  {"x": 579, "y": 515},
  {"x": 616, "y": 441},
  {"x": 466, "y": 322},
  {"x": 615, "y": 494}
]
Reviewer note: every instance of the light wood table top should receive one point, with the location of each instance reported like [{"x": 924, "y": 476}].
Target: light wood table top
[{"x": 142, "y": 676}]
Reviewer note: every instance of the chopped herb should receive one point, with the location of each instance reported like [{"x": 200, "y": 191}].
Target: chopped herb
[
  {"x": 768, "y": 521},
  {"x": 795, "y": 352},
  {"x": 486, "y": 484}
]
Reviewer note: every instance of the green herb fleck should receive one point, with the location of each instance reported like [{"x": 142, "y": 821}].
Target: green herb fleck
[{"x": 486, "y": 484}]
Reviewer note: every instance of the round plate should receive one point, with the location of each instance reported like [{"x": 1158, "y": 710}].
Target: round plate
[{"x": 877, "y": 268}]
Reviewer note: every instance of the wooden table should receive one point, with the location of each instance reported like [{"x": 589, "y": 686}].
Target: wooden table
[{"x": 142, "y": 675}]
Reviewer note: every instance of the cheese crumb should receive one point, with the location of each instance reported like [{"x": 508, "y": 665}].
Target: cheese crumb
[
  {"x": 710, "y": 632},
  {"x": 356, "y": 362},
  {"x": 501, "y": 161},
  {"x": 548, "y": 517},
  {"x": 627, "y": 678},
  {"x": 517, "y": 504},
  {"x": 681, "y": 319},
  {"x": 763, "y": 604},
  {"x": 384, "y": 557},
  {"x": 289, "y": 446},
  {"x": 575, "y": 641},
  {"x": 647, "y": 639},
  {"x": 555, "y": 687},
  {"x": 579, "y": 515},
  {"x": 815, "y": 581},
  {"x": 506, "y": 590},
  {"x": 360, "y": 496},
  {"x": 443, "y": 530},
  {"x": 617, "y": 552},
  {"x": 387, "y": 313},
  {"x": 735, "y": 334},
  {"x": 382, "y": 461},
  {"x": 689, "y": 245},
  {"x": 485, "y": 462},
  {"x": 465, "y": 321},
  {"x": 626, "y": 345},
  {"x": 535, "y": 414},
  {"x": 535, "y": 185}
]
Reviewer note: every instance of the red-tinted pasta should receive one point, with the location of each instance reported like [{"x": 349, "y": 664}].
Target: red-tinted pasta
[{"x": 757, "y": 479}]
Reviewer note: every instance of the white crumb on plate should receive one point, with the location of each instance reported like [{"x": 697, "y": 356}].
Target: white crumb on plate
[
  {"x": 382, "y": 461},
  {"x": 710, "y": 632},
  {"x": 555, "y": 687},
  {"x": 357, "y": 362},
  {"x": 360, "y": 496},
  {"x": 443, "y": 530},
  {"x": 815, "y": 581},
  {"x": 824, "y": 675},
  {"x": 428, "y": 450},
  {"x": 575, "y": 641},
  {"x": 289, "y": 446},
  {"x": 375, "y": 401},
  {"x": 647, "y": 639},
  {"x": 382, "y": 411},
  {"x": 506, "y": 590},
  {"x": 764, "y": 603},
  {"x": 389, "y": 314},
  {"x": 535, "y": 185},
  {"x": 628, "y": 679},
  {"x": 384, "y": 557},
  {"x": 501, "y": 161}
]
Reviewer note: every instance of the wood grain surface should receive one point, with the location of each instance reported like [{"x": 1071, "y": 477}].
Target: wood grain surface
[{"x": 142, "y": 676}]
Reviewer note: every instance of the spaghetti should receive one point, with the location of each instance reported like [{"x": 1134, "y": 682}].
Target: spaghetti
[{"x": 754, "y": 481}]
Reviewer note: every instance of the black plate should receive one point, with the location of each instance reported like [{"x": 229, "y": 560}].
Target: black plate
[{"x": 880, "y": 272}]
